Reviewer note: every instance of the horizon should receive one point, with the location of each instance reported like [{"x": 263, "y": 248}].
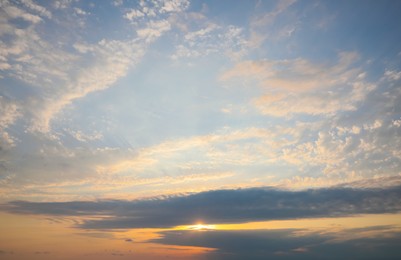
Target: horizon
[{"x": 200, "y": 129}]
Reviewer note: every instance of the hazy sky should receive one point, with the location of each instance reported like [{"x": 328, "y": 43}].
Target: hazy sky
[{"x": 131, "y": 121}]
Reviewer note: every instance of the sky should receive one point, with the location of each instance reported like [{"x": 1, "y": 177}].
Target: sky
[{"x": 190, "y": 129}]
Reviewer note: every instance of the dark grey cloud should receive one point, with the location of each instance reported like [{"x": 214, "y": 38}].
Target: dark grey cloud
[
  {"x": 220, "y": 206},
  {"x": 287, "y": 244}
]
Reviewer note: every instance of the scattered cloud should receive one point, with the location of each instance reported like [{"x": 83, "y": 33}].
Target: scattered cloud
[
  {"x": 211, "y": 40},
  {"x": 37, "y": 8},
  {"x": 154, "y": 30},
  {"x": 118, "y": 2},
  {"x": 35, "y": 59},
  {"x": 9, "y": 112},
  {"x": 392, "y": 75},
  {"x": 152, "y": 9},
  {"x": 161, "y": 113}
]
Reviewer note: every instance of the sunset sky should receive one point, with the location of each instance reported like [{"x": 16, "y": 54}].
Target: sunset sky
[{"x": 191, "y": 129}]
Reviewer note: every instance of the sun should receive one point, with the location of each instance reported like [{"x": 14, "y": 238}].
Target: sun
[{"x": 202, "y": 227}]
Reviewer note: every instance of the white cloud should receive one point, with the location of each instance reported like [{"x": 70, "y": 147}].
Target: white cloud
[
  {"x": 169, "y": 6},
  {"x": 111, "y": 61},
  {"x": 37, "y": 8},
  {"x": 153, "y": 30},
  {"x": 85, "y": 137},
  {"x": 211, "y": 40},
  {"x": 392, "y": 75},
  {"x": 118, "y": 2},
  {"x": 133, "y": 14},
  {"x": 340, "y": 141},
  {"x": 156, "y": 8},
  {"x": 15, "y": 12},
  {"x": 35, "y": 60},
  {"x": 346, "y": 152},
  {"x": 79, "y": 11},
  {"x": 62, "y": 4},
  {"x": 28, "y": 57},
  {"x": 397, "y": 122},
  {"x": 9, "y": 113}
]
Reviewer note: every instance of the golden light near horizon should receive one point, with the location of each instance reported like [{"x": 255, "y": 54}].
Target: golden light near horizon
[
  {"x": 201, "y": 227},
  {"x": 198, "y": 129}
]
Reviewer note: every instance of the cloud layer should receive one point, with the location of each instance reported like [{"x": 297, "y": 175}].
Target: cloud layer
[
  {"x": 221, "y": 206},
  {"x": 291, "y": 243}
]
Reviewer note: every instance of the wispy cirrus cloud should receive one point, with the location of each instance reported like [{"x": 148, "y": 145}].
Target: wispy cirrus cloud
[
  {"x": 300, "y": 86},
  {"x": 263, "y": 23},
  {"x": 35, "y": 59}
]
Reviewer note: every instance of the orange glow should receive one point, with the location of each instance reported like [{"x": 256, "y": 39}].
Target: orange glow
[
  {"x": 200, "y": 227},
  {"x": 38, "y": 237},
  {"x": 322, "y": 225}
]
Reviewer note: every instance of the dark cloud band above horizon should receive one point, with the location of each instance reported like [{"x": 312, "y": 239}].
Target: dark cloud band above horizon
[
  {"x": 220, "y": 206},
  {"x": 288, "y": 244}
]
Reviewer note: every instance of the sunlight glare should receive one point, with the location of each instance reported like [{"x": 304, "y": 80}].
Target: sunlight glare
[{"x": 201, "y": 227}]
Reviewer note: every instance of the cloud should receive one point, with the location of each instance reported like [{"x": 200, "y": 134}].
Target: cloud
[
  {"x": 212, "y": 39},
  {"x": 10, "y": 111},
  {"x": 298, "y": 75},
  {"x": 289, "y": 244},
  {"x": 154, "y": 30},
  {"x": 220, "y": 206},
  {"x": 306, "y": 154},
  {"x": 152, "y": 9},
  {"x": 392, "y": 75},
  {"x": 37, "y": 8},
  {"x": 301, "y": 87},
  {"x": 28, "y": 54},
  {"x": 14, "y": 12},
  {"x": 108, "y": 62},
  {"x": 261, "y": 26}
]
